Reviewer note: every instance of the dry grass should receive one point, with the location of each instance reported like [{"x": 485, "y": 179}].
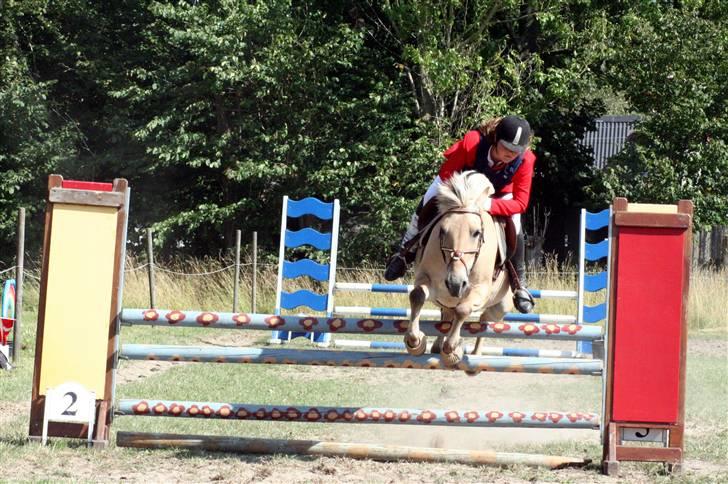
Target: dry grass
[{"x": 208, "y": 284}]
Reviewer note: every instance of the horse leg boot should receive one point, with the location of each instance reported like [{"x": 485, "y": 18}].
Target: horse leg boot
[
  {"x": 452, "y": 348},
  {"x": 415, "y": 340}
]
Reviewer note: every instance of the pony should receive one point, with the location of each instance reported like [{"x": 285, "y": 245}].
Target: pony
[{"x": 455, "y": 266}]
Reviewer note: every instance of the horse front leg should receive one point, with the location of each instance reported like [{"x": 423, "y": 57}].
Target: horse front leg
[
  {"x": 452, "y": 350},
  {"x": 415, "y": 340}
]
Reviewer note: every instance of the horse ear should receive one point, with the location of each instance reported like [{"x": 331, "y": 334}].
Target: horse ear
[{"x": 483, "y": 198}]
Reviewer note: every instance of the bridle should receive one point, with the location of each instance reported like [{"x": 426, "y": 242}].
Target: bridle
[{"x": 456, "y": 255}]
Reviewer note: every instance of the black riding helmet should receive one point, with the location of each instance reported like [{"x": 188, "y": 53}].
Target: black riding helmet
[{"x": 514, "y": 133}]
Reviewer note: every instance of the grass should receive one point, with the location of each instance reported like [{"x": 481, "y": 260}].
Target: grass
[{"x": 707, "y": 395}]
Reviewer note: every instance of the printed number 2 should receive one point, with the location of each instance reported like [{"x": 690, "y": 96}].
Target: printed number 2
[{"x": 68, "y": 410}]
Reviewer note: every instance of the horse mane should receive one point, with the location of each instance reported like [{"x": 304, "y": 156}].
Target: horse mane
[{"x": 462, "y": 190}]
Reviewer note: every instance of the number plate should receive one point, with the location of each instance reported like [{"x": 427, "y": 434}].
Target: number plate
[{"x": 644, "y": 435}]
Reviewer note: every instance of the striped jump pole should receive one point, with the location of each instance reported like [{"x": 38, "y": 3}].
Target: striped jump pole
[
  {"x": 484, "y": 350},
  {"x": 404, "y": 289},
  {"x": 469, "y": 363},
  {"x": 435, "y": 313},
  {"x": 366, "y": 415},
  {"x": 207, "y": 319},
  {"x": 386, "y": 453}
]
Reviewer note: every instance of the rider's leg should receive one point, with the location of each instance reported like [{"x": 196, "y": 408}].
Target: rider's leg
[
  {"x": 397, "y": 263},
  {"x": 522, "y": 299},
  {"x": 519, "y": 259}
]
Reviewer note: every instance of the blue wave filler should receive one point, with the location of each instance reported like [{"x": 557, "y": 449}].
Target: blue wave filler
[
  {"x": 597, "y": 251},
  {"x": 305, "y": 267},
  {"x": 592, "y": 314},
  {"x": 310, "y": 206},
  {"x": 308, "y": 236},
  {"x": 595, "y": 282},
  {"x": 596, "y": 221},
  {"x": 303, "y": 297}
]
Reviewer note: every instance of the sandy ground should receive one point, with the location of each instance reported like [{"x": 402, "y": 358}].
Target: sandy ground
[{"x": 115, "y": 464}]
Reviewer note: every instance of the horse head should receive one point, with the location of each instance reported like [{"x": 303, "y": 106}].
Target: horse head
[{"x": 463, "y": 229}]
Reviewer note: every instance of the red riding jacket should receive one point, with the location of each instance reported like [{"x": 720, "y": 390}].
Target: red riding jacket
[{"x": 463, "y": 155}]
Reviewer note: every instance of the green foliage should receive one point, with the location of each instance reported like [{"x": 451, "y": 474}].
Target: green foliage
[
  {"x": 215, "y": 110},
  {"x": 251, "y": 102},
  {"x": 672, "y": 65},
  {"x": 467, "y": 61},
  {"x": 34, "y": 139}
]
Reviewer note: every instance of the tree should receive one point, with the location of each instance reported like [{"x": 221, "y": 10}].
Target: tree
[
  {"x": 672, "y": 67},
  {"x": 34, "y": 137},
  {"x": 238, "y": 104}
]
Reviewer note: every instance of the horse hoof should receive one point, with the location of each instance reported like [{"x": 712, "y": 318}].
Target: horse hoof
[
  {"x": 453, "y": 359},
  {"x": 472, "y": 372},
  {"x": 419, "y": 347}
]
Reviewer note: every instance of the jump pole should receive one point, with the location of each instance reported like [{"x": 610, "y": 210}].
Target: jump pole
[{"x": 385, "y": 453}]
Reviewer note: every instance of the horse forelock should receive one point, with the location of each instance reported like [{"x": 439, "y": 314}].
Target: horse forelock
[{"x": 462, "y": 190}]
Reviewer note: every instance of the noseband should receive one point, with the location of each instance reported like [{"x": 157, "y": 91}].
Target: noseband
[{"x": 457, "y": 254}]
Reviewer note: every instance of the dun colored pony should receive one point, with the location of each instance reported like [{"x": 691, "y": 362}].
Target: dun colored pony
[{"x": 455, "y": 267}]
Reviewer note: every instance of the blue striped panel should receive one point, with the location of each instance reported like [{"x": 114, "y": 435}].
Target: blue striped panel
[
  {"x": 310, "y": 206},
  {"x": 395, "y": 312},
  {"x": 305, "y": 267},
  {"x": 308, "y": 236},
  {"x": 584, "y": 347},
  {"x": 595, "y": 221},
  {"x": 303, "y": 297},
  {"x": 592, "y": 314},
  {"x": 520, "y": 352},
  {"x": 523, "y": 318},
  {"x": 597, "y": 251},
  {"x": 386, "y": 345},
  {"x": 595, "y": 282},
  {"x": 390, "y": 288}
]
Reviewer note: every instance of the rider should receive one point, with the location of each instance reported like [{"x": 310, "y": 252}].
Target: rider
[{"x": 499, "y": 149}]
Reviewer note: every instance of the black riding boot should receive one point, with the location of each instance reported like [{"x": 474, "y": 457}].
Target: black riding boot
[
  {"x": 522, "y": 299},
  {"x": 397, "y": 264}
]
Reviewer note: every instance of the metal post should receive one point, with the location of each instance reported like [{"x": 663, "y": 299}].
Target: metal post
[
  {"x": 236, "y": 287},
  {"x": 254, "y": 285},
  {"x": 150, "y": 270},
  {"x": 20, "y": 262}
]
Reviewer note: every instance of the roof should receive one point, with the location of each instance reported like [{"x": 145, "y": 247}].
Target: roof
[{"x": 609, "y": 137}]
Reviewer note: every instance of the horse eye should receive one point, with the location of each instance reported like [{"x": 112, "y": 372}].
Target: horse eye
[{"x": 476, "y": 234}]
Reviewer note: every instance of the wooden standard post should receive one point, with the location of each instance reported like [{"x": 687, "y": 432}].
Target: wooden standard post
[{"x": 645, "y": 391}]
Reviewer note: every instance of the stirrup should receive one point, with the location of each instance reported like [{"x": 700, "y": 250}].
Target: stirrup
[{"x": 523, "y": 301}]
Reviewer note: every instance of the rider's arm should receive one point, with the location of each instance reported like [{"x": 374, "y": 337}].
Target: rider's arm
[
  {"x": 461, "y": 155},
  {"x": 521, "y": 189}
]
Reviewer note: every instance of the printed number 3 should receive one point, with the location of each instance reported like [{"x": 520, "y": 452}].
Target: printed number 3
[{"x": 68, "y": 410}]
